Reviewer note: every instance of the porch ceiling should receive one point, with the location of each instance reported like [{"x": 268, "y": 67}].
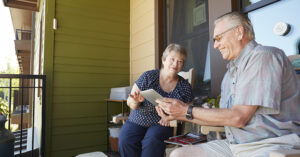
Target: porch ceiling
[
  {"x": 32, "y": 5},
  {"x": 21, "y": 19}
]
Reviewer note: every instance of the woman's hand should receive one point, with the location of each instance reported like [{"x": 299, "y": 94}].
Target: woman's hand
[
  {"x": 136, "y": 97},
  {"x": 164, "y": 123}
]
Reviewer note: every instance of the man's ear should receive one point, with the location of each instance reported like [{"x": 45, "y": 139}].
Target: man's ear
[{"x": 240, "y": 32}]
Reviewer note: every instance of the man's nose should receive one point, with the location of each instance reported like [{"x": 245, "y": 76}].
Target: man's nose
[{"x": 216, "y": 44}]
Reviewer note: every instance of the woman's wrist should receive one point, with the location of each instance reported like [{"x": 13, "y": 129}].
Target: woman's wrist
[{"x": 135, "y": 103}]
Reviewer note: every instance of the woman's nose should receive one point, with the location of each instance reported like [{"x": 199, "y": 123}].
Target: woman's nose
[{"x": 175, "y": 63}]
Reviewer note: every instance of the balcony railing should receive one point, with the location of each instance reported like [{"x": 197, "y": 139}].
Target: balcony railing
[{"x": 25, "y": 96}]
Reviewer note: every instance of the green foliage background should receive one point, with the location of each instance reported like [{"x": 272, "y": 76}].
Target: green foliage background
[{"x": 4, "y": 82}]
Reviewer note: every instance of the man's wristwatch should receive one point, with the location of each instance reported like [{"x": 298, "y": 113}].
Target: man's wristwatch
[{"x": 189, "y": 115}]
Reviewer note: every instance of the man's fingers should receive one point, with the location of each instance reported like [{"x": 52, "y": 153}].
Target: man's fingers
[
  {"x": 164, "y": 105},
  {"x": 160, "y": 112}
]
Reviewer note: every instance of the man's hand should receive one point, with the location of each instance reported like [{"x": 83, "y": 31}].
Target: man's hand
[
  {"x": 163, "y": 115},
  {"x": 173, "y": 107}
]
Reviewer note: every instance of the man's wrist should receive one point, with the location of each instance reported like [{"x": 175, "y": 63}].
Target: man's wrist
[{"x": 189, "y": 112}]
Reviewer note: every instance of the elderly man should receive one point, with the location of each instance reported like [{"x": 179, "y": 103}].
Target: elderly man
[{"x": 260, "y": 97}]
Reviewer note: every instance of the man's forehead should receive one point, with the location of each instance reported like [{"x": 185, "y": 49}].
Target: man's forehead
[{"x": 220, "y": 27}]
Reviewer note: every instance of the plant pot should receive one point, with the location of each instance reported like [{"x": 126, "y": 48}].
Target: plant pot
[{"x": 7, "y": 139}]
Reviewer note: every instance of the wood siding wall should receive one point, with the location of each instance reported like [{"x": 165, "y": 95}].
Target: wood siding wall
[
  {"x": 142, "y": 45},
  {"x": 90, "y": 56}
]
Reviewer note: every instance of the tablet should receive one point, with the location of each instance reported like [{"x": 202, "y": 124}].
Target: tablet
[{"x": 151, "y": 95}]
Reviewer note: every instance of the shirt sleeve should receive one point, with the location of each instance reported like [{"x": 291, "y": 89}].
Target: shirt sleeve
[
  {"x": 260, "y": 82},
  {"x": 187, "y": 92},
  {"x": 142, "y": 81}
]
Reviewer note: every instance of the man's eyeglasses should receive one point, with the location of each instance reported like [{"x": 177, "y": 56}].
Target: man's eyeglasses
[{"x": 219, "y": 36}]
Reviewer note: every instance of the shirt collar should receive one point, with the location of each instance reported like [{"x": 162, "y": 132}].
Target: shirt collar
[{"x": 245, "y": 51}]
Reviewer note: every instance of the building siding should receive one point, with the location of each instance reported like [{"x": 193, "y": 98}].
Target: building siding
[
  {"x": 142, "y": 47},
  {"x": 90, "y": 56}
]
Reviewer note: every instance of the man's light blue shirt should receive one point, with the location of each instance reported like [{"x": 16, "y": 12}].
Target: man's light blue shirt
[{"x": 265, "y": 77}]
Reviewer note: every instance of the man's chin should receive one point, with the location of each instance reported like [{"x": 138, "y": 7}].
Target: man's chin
[{"x": 224, "y": 57}]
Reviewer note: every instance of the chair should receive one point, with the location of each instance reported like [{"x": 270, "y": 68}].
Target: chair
[
  {"x": 189, "y": 76},
  {"x": 206, "y": 129}
]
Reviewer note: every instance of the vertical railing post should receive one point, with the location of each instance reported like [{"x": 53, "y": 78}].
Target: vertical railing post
[
  {"x": 43, "y": 116},
  {"x": 22, "y": 103},
  {"x": 9, "y": 103},
  {"x": 33, "y": 115}
]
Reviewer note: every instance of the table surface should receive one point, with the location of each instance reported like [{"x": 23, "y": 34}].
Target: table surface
[{"x": 114, "y": 100}]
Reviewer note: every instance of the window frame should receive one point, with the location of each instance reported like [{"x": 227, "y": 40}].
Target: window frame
[{"x": 255, "y": 6}]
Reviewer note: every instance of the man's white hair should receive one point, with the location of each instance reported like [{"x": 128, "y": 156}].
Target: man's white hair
[{"x": 235, "y": 19}]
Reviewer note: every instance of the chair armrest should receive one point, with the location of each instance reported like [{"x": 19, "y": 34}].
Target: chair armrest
[
  {"x": 206, "y": 129},
  {"x": 285, "y": 153},
  {"x": 173, "y": 123}
]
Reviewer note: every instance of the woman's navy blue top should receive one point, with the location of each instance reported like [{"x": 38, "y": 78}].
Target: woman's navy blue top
[{"x": 145, "y": 115}]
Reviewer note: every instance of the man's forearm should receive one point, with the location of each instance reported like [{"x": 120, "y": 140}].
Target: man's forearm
[{"x": 237, "y": 116}]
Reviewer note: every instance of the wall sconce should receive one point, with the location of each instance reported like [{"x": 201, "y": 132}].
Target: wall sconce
[{"x": 281, "y": 28}]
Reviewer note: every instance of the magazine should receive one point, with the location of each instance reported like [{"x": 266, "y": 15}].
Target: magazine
[
  {"x": 151, "y": 95},
  {"x": 187, "y": 139}
]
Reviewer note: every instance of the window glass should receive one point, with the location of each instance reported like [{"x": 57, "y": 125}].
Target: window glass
[{"x": 187, "y": 24}]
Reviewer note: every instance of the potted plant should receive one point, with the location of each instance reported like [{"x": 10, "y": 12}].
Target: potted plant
[
  {"x": 7, "y": 138},
  {"x": 3, "y": 107}
]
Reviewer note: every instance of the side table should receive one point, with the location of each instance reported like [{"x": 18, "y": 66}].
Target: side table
[{"x": 107, "y": 118}]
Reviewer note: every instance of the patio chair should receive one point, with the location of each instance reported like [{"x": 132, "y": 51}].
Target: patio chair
[{"x": 292, "y": 58}]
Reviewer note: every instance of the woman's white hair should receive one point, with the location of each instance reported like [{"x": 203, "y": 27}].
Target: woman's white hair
[
  {"x": 175, "y": 48},
  {"x": 238, "y": 19}
]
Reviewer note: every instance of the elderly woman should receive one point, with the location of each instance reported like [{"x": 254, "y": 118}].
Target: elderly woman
[{"x": 144, "y": 132}]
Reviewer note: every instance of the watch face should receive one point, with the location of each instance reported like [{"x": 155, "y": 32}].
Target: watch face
[
  {"x": 189, "y": 113},
  {"x": 189, "y": 117}
]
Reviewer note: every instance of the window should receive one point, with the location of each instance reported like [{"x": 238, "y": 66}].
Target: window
[{"x": 186, "y": 23}]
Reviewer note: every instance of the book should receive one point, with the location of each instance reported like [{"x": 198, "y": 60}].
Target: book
[{"x": 186, "y": 139}]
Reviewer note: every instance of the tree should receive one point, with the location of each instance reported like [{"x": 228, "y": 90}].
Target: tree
[{"x": 4, "y": 82}]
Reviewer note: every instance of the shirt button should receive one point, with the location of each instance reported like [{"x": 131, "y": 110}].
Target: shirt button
[{"x": 231, "y": 142}]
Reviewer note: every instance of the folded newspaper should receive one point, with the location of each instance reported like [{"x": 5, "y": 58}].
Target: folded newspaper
[{"x": 186, "y": 139}]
